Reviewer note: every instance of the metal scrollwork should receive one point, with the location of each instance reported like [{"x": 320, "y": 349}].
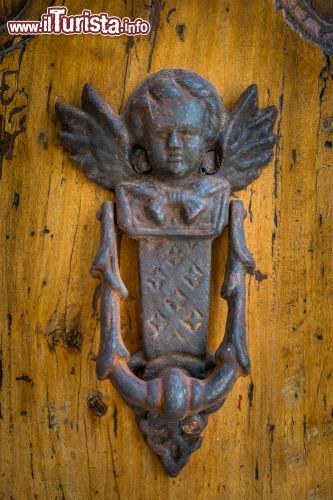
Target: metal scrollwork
[
  {"x": 173, "y": 157},
  {"x": 313, "y": 19}
]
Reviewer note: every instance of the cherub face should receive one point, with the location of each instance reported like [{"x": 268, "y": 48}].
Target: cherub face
[{"x": 175, "y": 138}]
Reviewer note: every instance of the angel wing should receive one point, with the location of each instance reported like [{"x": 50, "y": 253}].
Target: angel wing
[
  {"x": 247, "y": 140},
  {"x": 97, "y": 139}
]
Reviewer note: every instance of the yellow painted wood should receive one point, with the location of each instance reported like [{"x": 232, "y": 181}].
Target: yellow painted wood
[{"x": 274, "y": 436}]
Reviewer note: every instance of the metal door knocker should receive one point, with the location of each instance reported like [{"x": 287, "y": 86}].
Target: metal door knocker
[{"x": 173, "y": 157}]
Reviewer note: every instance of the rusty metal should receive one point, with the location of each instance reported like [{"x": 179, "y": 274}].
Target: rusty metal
[
  {"x": 313, "y": 19},
  {"x": 173, "y": 157}
]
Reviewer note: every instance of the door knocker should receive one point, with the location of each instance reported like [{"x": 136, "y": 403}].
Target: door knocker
[{"x": 173, "y": 157}]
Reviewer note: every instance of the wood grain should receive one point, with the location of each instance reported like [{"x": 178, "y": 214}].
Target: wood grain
[{"x": 274, "y": 436}]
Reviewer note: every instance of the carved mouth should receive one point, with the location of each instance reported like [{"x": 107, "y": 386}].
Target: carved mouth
[{"x": 175, "y": 158}]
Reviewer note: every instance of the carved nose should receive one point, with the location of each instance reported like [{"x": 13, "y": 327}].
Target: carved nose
[{"x": 174, "y": 141}]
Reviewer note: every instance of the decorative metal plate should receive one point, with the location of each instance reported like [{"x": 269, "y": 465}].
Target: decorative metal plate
[{"x": 173, "y": 157}]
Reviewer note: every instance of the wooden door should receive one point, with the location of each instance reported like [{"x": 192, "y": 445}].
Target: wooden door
[{"x": 64, "y": 435}]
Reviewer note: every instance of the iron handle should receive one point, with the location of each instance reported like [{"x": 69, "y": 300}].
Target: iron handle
[{"x": 174, "y": 395}]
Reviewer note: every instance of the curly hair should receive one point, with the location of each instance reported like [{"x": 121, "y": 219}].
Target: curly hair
[{"x": 173, "y": 84}]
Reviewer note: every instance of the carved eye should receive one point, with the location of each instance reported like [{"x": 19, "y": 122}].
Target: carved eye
[
  {"x": 162, "y": 134},
  {"x": 188, "y": 133}
]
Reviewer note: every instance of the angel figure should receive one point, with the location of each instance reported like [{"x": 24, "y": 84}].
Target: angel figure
[{"x": 173, "y": 157}]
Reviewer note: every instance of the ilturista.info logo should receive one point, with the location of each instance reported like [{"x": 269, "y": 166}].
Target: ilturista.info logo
[{"x": 56, "y": 21}]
